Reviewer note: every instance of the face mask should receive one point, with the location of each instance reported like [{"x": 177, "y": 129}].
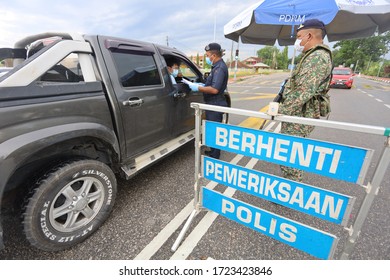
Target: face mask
[
  {"x": 208, "y": 61},
  {"x": 175, "y": 72},
  {"x": 298, "y": 46}
]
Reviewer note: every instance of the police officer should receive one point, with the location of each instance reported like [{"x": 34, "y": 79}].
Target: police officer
[
  {"x": 311, "y": 78},
  {"x": 215, "y": 86}
]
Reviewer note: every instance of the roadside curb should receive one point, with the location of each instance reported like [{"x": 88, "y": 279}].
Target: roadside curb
[
  {"x": 239, "y": 79},
  {"x": 379, "y": 79}
]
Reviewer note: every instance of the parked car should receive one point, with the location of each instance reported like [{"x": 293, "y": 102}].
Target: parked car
[{"x": 342, "y": 77}]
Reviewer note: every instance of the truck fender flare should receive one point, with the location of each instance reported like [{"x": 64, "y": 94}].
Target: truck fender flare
[{"x": 17, "y": 150}]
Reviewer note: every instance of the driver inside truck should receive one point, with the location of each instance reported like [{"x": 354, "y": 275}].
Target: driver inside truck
[{"x": 173, "y": 67}]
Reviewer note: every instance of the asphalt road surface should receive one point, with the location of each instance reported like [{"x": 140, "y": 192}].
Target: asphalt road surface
[{"x": 152, "y": 207}]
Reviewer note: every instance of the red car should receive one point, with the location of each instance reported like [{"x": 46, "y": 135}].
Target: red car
[{"x": 342, "y": 77}]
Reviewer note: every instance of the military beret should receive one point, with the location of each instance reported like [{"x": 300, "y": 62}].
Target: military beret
[{"x": 311, "y": 24}]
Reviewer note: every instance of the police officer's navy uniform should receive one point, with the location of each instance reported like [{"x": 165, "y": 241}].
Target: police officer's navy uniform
[{"x": 217, "y": 79}]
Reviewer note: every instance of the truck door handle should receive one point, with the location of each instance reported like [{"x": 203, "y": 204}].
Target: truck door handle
[
  {"x": 133, "y": 102},
  {"x": 179, "y": 95}
]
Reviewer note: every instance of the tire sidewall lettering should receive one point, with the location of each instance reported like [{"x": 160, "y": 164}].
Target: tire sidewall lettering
[{"x": 44, "y": 224}]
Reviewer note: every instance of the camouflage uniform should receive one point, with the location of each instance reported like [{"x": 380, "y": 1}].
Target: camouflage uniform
[{"x": 311, "y": 77}]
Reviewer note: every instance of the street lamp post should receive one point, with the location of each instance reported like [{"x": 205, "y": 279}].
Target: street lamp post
[{"x": 380, "y": 67}]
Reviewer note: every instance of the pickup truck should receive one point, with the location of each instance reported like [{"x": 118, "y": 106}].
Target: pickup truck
[{"x": 77, "y": 111}]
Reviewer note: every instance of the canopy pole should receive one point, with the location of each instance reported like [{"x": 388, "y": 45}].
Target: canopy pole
[
  {"x": 295, "y": 51},
  {"x": 292, "y": 62},
  {"x": 231, "y": 57},
  {"x": 292, "y": 31},
  {"x": 237, "y": 53}
]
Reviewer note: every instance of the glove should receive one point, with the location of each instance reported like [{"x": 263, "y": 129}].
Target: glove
[{"x": 194, "y": 86}]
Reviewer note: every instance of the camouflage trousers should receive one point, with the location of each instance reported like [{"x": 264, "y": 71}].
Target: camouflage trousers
[{"x": 296, "y": 130}]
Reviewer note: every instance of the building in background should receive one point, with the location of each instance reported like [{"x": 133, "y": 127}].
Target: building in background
[{"x": 197, "y": 59}]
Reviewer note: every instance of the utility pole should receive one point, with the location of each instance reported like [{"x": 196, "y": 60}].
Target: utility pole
[
  {"x": 215, "y": 19},
  {"x": 380, "y": 65},
  {"x": 274, "y": 62},
  {"x": 215, "y": 25},
  {"x": 356, "y": 67},
  {"x": 167, "y": 42},
  {"x": 368, "y": 65}
]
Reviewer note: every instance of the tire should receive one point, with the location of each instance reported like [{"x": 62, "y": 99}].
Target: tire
[{"x": 68, "y": 204}]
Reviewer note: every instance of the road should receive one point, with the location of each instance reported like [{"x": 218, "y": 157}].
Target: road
[{"x": 152, "y": 207}]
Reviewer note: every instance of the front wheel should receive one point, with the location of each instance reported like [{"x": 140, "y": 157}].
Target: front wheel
[{"x": 68, "y": 204}]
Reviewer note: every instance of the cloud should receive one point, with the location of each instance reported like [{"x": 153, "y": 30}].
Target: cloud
[{"x": 189, "y": 25}]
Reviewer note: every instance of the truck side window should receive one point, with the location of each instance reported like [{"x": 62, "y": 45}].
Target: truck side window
[
  {"x": 66, "y": 71},
  {"x": 136, "y": 69},
  {"x": 188, "y": 72}
]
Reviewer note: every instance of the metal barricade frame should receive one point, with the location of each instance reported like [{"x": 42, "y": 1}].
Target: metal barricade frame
[{"x": 372, "y": 187}]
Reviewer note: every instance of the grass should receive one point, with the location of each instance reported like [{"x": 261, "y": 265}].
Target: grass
[{"x": 251, "y": 72}]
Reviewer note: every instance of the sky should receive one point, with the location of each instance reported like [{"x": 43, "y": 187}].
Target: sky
[{"x": 188, "y": 25}]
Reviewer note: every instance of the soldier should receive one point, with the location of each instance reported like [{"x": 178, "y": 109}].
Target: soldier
[{"x": 309, "y": 81}]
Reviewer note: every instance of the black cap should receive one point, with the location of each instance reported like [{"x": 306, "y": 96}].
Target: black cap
[
  {"x": 213, "y": 47},
  {"x": 311, "y": 24}
]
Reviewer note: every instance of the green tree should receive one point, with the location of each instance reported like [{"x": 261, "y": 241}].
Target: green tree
[
  {"x": 364, "y": 53},
  {"x": 269, "y": 56},
  {"x": 283, "y": 59},
  {"x": 273, "y": 57},
  {"x": 205, "y": 65}
]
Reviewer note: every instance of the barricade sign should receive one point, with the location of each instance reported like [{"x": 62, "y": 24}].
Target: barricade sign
[
  {"x": 337, "y": 161},
  {"x": 310, "y": 240},
  {"x": 324, "y": 158},
  {"x": 321, "y": 203}
]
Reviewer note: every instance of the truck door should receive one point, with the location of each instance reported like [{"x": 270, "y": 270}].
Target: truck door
[
  {"x": 142, "y": 98},
  {"x": 183, "y": 114}
]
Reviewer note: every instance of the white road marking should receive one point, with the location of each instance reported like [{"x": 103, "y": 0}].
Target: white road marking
[
  {"x": 278, "y": 128},
  {"x": 173, "y": 225},
  {"x": 388, "y": 106},
  {"x": 165, "y": 233},
  {"x": 370, "y": 95},
  {"x": 200, "y": 230},
  {"x": 379, "y": 100},
  {"x": 271, "y": 124},
  {"x": 195, "y": 236}
]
